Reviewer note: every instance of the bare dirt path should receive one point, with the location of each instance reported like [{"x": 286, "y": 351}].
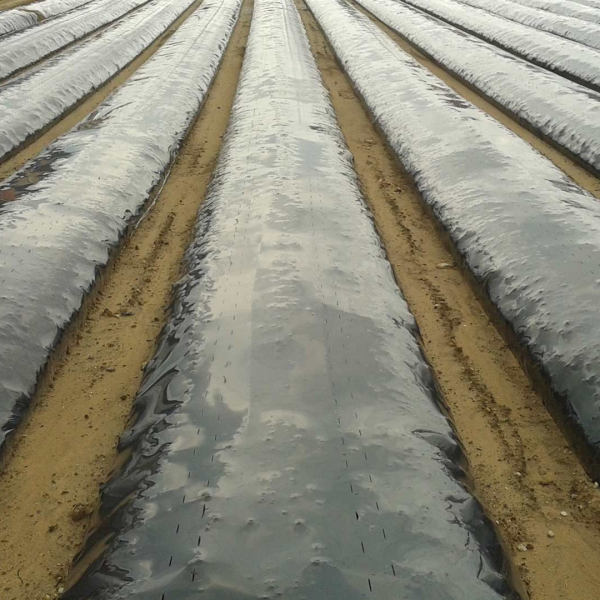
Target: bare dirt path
[
  {"x": 8, "y": 4},
  {"x": 67, "y": 449},
  {"x": 523, "y": 470}
]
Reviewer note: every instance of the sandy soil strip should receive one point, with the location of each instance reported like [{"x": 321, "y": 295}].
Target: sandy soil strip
[
  {"x": 67, "y": 449},
  {"x": 8, "y": 4},
  {"x": 581, "y": 176},
  {"x": 523, "y": 470},
  {"x": 38, "y": 142}
]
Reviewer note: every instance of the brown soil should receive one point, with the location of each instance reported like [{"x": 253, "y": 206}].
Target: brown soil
[
  {"x": 524, "y": 472},
  {"x": 36, "y": 143},
  {"x": 67, "y": 449},
  {"x": 8, "y": 4}
]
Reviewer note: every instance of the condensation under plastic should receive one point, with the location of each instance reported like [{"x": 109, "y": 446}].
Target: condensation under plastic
[
  {"x": 572, "y": 60},
  {"x": 565, "y": 8},
  {"x": 28, "y": 47},
  {"x": 286, "y": 439},
  {"x": 28, "y": 15},
  {"x": 567, "y": 114},
  {"x": 85, "y": 190},
  {"x": 574, "y": 29},
  {"x": 526, "y": 231},
  {"x": 64, "y": 80}
]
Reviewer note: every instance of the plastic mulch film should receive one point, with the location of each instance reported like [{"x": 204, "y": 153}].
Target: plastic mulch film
[
  {"x": 528, "y": 233},
  {"x": 570, "y": 27},
  {"x": 286, "y": 440},
  {"x": 565, "y": 113},
  {"x": 564, "y": 8},
  {"x": 62, "y": 81},
  {"x": 83, "y": 192},
  {"x": 28, "y": 47},
  {"x": 30, "y": 14},
  {"x": 572, "y": 60}
]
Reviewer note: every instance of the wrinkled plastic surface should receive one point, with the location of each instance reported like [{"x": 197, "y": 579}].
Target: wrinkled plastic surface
[
  {"x": 566, "y": 113},
  {"x": 574, "y": 29},
  {"x": 287, "y": 442},
  {"x": 15, "y": 20},
  {"x": 28, "y": 47},
  {"x": 28, "y": 15},
  {"x": 527, "y": 232},
  {"x": 569, "y": 59},
  {"x": 63, "y": 80},
  {"x": 592, "y": 3},
  {"x": 75, "y": 200},
  {"x": 565, "y": 8}
]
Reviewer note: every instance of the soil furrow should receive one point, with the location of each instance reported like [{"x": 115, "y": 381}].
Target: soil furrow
[
  {"x": 522, "y": 469},
  {"x": 50, "y": 485}
]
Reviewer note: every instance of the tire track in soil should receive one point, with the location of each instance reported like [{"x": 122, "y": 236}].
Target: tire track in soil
[
  {"x": 49, "y": 488},
  {"x": 38, "y": 142},
  {"x": 521, "y": 467},
  {"x": 581, "y": 176}
]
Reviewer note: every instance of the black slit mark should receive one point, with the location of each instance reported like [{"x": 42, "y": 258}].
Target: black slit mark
[
  {"x": 203, "y": 510},
  {"x": 365, "y": 455},
  {"x": 177, "y": 531},
  {"x": 393, "y": 570},
  {"x": 199, "y": 539},
  {"x": 370, "y": 478},
  {"x": 343, "y": 442},
  {"x": 360, "y": 433},
  {"x": 351, "y": 489},
  {"x": 362, "y": 546},
  {"x": 370, "y": 587},
  {"x": 183, "y": 499},
  {"x": 356, "y": 515},
  {"x": 377, "y": 505},
  {"x": 171, "y": 561},
  {"x": 384, "y": 536},
  {"x": 346, "y": 464}
]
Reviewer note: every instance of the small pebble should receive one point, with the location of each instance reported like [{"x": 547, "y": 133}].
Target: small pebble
[
  {"x": 563, "y": 513},
  {"x": 522, "y": 547},
  {"x": 550, "y": 534}
]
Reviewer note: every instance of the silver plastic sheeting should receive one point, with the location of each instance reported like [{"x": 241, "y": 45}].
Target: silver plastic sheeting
[
  {"x": 28, "y": 47},
  {"x": 565, "y": 8},
  {"x": 286, "y": 440},
  {"x": 526, "y": 231},
  {"x": 572, "y": 60},
  {"x": 569, "y": 27},
  {"x": 85, "y": 190},
  {"x": 65, "y": 79},
  {"x": 14, "y": 20},
  {"x": 28, "y": 15},
  {"x": 565, "y": 113},
  {"x": 593, "y": 3}
]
